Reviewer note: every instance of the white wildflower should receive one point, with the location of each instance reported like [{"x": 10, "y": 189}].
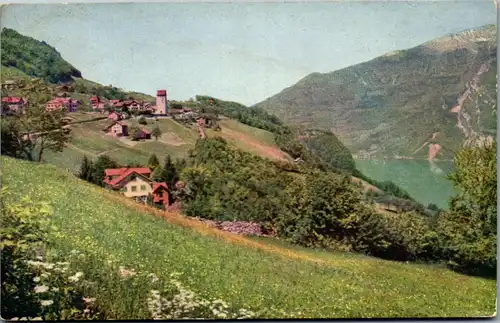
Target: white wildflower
[
  {"x": 38, "y": 318},
  {"x": 86, "y": 310},
  {"x": 48, "y": 266},
  {"x": 75, "y": 277},
  {"x": 23, "y": 319},
  {"x": 47, "y": 302},
  {"x": 45, "y": 275},
  {"x": 55, "y": 289},
  {"x": 88, "y": 299},
  {"x": 39, "y": 257},
  {"x": 14, "y": 319},
  {"x": 41, "y": 289},
  {"x": 36, "y": 279}
]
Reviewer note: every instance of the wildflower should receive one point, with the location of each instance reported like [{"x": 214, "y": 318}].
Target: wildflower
[
  {"x": 48, "y": 266},
  {"x": 88, "y": 300},
  {"x": 41, "y": 289},
  {"x": 38, "y": 318},
  {"x": 126, "y": 273},
  {"x": 154, "y": 278},
  {"x": 75, "y": 277},
  {"x": 14, "y": 319},
  {"x": 23, "y": 319},
  {"x": 55, "y": 289},
  {"x": 39, "y": 257},
  {"x": 74, "y": 251},
  {"x": 86, "y": 311},
  {"x": 45, "y": 275},
  {"x": 47, "y": 302},
  {"x": 36, "y": 279}
]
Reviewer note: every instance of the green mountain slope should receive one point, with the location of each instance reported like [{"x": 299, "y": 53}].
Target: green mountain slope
[
  {"x": 275, "y": 280},
  {"x": 402, "y": 101},
  {"x": 35, "y": 58},
  {"x": 23, "y": 57}
]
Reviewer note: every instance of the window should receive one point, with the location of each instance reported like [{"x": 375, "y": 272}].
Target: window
[
  {"x": 134, "y": 188},
  {"x": 143, "y": 187}
]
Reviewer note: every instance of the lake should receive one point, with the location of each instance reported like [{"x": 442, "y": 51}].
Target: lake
[{"x": 424, "y": 182}]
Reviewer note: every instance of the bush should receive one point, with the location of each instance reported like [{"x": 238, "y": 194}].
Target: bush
[{"x": 142, "y": 121}]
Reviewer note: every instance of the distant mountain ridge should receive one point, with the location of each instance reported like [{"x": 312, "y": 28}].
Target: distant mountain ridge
[{"x": 404, "y": 101}]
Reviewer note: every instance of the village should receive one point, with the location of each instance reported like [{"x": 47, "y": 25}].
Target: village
[{"x": 133, "y": 182}]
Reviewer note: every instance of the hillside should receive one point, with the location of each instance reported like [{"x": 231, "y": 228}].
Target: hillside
[
  {"x": 23, "y": 57},
  {"x": 405, "y": 102},
  {"x": 267, "y": 277}
]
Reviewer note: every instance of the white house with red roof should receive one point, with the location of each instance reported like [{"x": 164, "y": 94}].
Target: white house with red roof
[
  {"x": 136, "y": 183},
  {"x": 62, "y": 103}
]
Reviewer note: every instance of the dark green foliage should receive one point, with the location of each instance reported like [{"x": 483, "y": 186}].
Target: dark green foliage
[
  {"x": 387, "y": 186},
  {"x": 153, "y": 162},
  {"x": 86, "y": 169},
  {"x": 156, "y": 132},
  {"x": 329, "y": 149},
  {"x": 103, "y": 162},
  {"x": 169, "y": 173},
  {"x": 35, "y": 58},
  {"x": 23, "y": 231},
  {"x": 133, "y": 132},
  {"x": 142, "y": 121},
  {"x": 469, "y": 230}
]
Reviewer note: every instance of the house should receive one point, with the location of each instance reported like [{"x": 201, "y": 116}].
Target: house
[
  {"x": 96, "y": 103},
  {"x": 131, "y": 182},
  {"x": 143, "y": 134},
  {"x": 12, "y": 105},
  {"x": 115, "y": 116},
  {"x": 62, "y": 103},
  {"x": 136, "y": 183},
  {"x": 160, "y": 194},
  {"x": 117, "y": 129}
]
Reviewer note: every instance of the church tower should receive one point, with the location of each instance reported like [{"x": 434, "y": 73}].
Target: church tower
[{"x": 161, "y": 102}]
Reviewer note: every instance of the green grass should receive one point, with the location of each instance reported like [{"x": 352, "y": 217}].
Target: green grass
[
  {"x": 343, "y": 286},
  {"x": 265, "y": 137}
]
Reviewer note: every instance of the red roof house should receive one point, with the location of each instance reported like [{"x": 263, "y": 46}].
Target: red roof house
[
  {"x": 160, "y": 193},
  {"x": 12, "y": 104},
  {"x": 115, "y": 116},
  {"x": 143, "y": 134},
  {"x": 62, "y": 103},
  {"x": 115, "y": 176},
  {"x": 117, "y": 129}
]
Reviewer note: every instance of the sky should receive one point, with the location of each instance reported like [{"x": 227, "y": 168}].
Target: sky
[{"x": 244, "y": 52}]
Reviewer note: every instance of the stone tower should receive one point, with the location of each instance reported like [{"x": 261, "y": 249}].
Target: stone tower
[{"x": 161, "y": 102}]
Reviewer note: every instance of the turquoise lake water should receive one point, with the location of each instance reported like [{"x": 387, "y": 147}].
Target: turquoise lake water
[{"x": 426, "y": 183}]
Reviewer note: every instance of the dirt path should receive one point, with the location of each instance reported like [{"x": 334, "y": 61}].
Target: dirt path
[{"x": 268, "y": 151}]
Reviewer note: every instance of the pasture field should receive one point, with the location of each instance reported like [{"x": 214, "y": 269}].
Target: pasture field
[{"x": 267, "y": 277}]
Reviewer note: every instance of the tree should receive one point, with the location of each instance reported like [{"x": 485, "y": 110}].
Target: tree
[
  {"x": 86, "y": 168},
  {"x": 156, "y": 175},
  {"x": 169, "y": 174},
  {"x": 153, "y": 162},
  {"x": 103, "y": 162},
  {"x": 143, "y": 121},
  {"x": 468, "y": 231},
  {"x": 156, "y": 132},
  {"x": 30, "y": 134}
]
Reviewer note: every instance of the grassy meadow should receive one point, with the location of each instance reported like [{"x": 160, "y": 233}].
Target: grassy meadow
[
  {"x": 176, "y": 140},
  {"x": 267, "y": 277}
]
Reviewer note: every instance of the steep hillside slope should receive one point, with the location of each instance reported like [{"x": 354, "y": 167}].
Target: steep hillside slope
[
  {"x": 411, "y": 102},
  {"x": 275, "y": 280}
]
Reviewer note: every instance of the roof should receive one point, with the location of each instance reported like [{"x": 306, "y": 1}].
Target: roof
[
  {"x": 121, "y": 123},
  {"x": 161, "y": 92},
  {"x": 12, "y": 99},
  {"x": 146, "y": 131},
  {"x": 158, "y": 185},
  {"x": 123, "y": 173}
]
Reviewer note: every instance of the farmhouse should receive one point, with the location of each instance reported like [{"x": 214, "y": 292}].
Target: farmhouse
[
  {"x": 115, "y": 116},
  {"x": 62, "y": 103},
  {"x": 143, "y": 134},
  {"x": 135, "y": 183},
  {"x": 96, "y": 103},
  {"x": 117, "y": 129},
  {"x": 12, "y": 105}
]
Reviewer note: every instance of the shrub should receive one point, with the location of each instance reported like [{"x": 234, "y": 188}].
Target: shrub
[{"x": 142, "y": 121}]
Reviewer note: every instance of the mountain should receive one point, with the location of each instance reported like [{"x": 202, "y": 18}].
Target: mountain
[
  {"x": 411, "y": 103},
  {"x": 35, "y": 58}
]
